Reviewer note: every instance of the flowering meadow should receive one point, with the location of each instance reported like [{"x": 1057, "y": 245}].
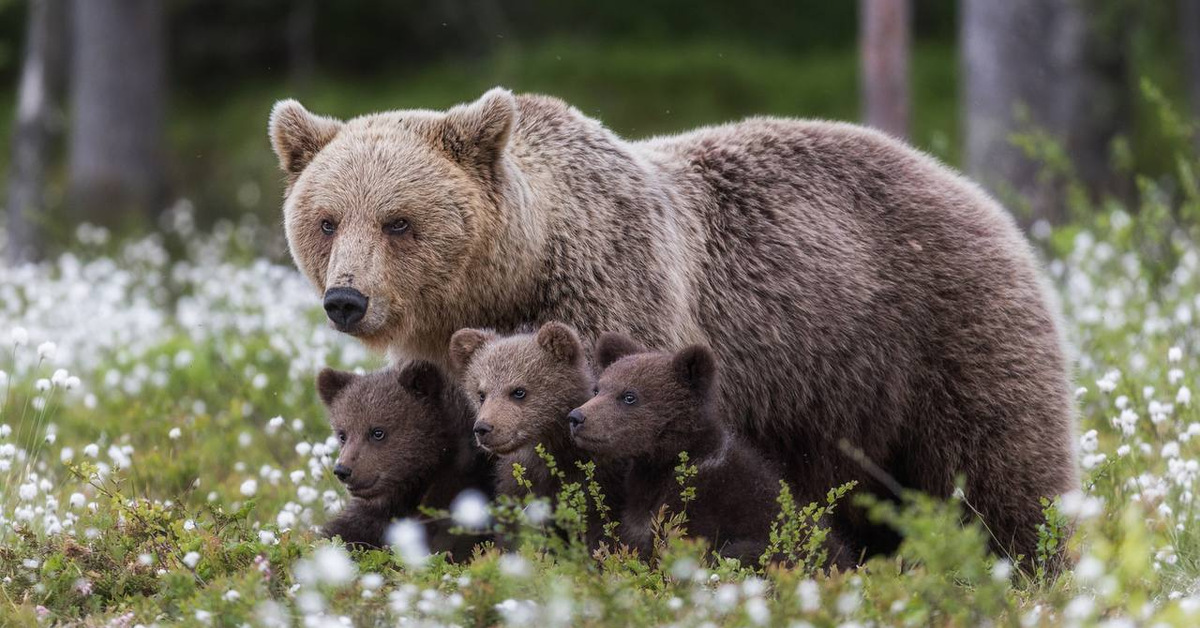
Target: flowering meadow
[{"x": 164, "y": 460}]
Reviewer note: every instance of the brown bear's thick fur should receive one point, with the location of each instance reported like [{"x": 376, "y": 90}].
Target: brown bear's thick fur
[
  {"x": 648, "y": 408},
  {"x": 524, "y": 386},
  {"x": 404, "y": 435},
  {"x": 856, "y": 291}
]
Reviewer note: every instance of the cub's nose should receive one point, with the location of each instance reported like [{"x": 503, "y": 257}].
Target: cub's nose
[
  {"x": 341, "y": 471},
  {"x": 482, "y": 428},
  {"x": 345, "y": 306},
  {"x": 575, "y": 417}
]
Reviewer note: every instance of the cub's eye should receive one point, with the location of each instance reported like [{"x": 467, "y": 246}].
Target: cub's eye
[
  {"x": 377, "y": 434},
  {"x": 482, "y": 396},
  {"x": 629, "y": 398},
  {"x": 396, "y": 227},
  {"x": 341, "y": 437},
  {"x": 327, "y": 227},
  {"x": 595, "y": 391},
  {"x": 518, "y": 393}
]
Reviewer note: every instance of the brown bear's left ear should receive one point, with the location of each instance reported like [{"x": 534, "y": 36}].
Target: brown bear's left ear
[
  {"x": 475, "y": 134},
  {"x": 612, "y": 346},
  {"x": 297, "y": 136},
  {"x": 463, "y": 345},
  {"x": 560, "y": 341},
  {"x": 330, "y": 384},
  {"x": 696, "y": 367},
  {"x": 422, "y": 378}
]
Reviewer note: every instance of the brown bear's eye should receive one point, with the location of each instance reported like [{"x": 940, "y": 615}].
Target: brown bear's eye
[
  {"x": 377, "y": 434},
  {"x": 482, "y": 396},
  {"x": 341, "y": 437},
  {"x": 396, "y": 227},
  {"x": 629, "y": 398},
  {"x": 327, "y": 227},
  {"x": 595, "y": 390},
  {"x": 518, "y": 393}
]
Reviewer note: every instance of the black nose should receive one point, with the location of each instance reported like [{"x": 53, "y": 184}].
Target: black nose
[
  {"x": 341, "y": 471},
  {"x": 482, "y": 429},
  {"x": 345, "y": 306},
  {"x": 576, "y": 418}
]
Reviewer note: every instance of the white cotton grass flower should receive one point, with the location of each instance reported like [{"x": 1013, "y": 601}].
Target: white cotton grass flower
[
  {"x": 46, "y": 351},
  {"x": 1090, "y": 441},
  {"x": 407, "y": 537},
  {"x": 333, "y": 565},
  {"x": 809, "y": 593},
  {"x": 175, "y": 433},
  {"x": 514, "y": 566},
  {"x": 470, "y": 509},
  {"x": 19, "y": 336},
  {"x": 1174, "y": 354},
  {"x": 5, "y": 430},
  {"x": 1184, "y": 396},
  {"x": 266, "y": 537},
  {"x": 191, "y": 559},
  {"x": 249, "y": 487}
]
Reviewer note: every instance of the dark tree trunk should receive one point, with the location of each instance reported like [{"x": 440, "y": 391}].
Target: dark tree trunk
[
  {"x": 38, "y": 124},
  {"x": 1057, "y": 66},
  {"x": 301, "y": 42},
  {"x": 119, "y": 97},
  {"x": 884, "y": 34},
  {"x": 1189, "y": 23}
]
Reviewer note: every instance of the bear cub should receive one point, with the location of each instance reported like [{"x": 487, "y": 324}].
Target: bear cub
[
  {"x": 405, "y": 443},
  {"x": 524, "y": 385},
  {"x": 648, "y": 408}
]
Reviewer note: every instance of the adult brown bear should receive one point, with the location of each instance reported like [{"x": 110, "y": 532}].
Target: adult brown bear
[{"x": 853, "y": 288}]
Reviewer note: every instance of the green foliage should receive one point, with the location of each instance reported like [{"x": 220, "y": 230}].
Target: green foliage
[{"x": 797, "y": 536}]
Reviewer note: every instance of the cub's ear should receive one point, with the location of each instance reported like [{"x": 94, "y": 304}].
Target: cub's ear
[
  {"x": 422, "y": 378},
  {"x": 475, "y": 134},
  {"x": 561, "y": 342},
  {"x": 330, "y": 384},
  {"x": 696, "y": 367},
  {"x": 297, "y": 135},
  {"x": 612, "y": 346},
  {"x": 463, "y": 345}
]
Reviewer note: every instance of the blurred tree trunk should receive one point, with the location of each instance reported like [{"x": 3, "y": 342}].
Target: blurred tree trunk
[
  {"x": 118, "y": 92},
  {"x": 1058, "y": 66},
  {"x": 884, "y": 35},
  {"x": 38, "y": 124},
  {"x": 301, "y": 42},
  {"x": 1189, "y": 23}
]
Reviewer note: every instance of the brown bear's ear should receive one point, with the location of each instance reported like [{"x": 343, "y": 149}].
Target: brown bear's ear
[
  {"x": 297, "y": 135},
  {"x": 560, "y": 341},
  {"x": 330, "y": 384},
  {"x": 463, "y": 345},
  {"x": 612, "y": 346},
  {"x": 475, "y": 134},
  {"x": 422, "y": 378},
  {"x": 696, "y": 367}
]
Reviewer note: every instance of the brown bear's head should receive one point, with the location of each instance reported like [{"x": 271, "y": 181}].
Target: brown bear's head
[
  {"x": 647, "y": 405},
  {"x": 524, "y": 385},
  {"x": 393, "y": 427},
  {"x": 390, "y": 215}
]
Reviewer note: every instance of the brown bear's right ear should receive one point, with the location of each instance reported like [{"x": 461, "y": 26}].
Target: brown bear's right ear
[
  {"x": 696, "y": 367},
  {"x": 331, "y": 382},
  {"x": 422, "y": 378},
  {"x": 560, "y": 341},
  {"x": 612, "y": 346},
  {"x": 463, "y": 345},
  {"x": 475, "y": 134},
  {"x": 297, "y": 135}
]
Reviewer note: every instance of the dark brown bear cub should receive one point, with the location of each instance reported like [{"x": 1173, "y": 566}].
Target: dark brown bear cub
[
  {"x": 525, "y": 385},
  {"x": 405, "y": 443},
  {"x": 648, "y": 408}
]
